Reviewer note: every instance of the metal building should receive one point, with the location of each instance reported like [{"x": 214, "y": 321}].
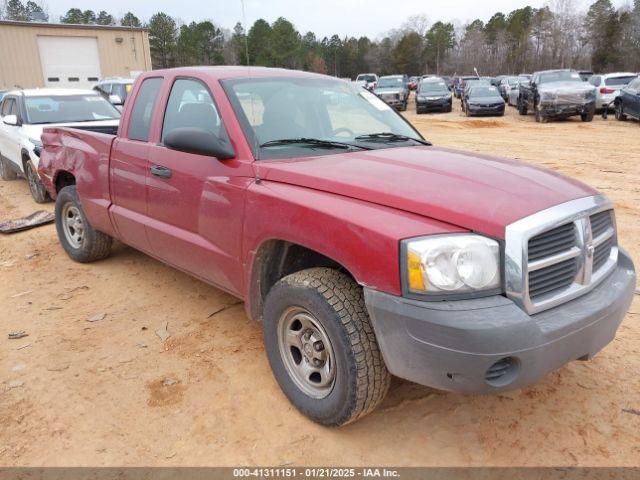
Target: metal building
[{"x": 63, "y": 55}]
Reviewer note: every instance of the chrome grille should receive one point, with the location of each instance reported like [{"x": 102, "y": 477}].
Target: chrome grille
[
  {"x": 553, "y": 241},
  {"x": 560, "y": 253},
  {"x": 552, "y": 278}
]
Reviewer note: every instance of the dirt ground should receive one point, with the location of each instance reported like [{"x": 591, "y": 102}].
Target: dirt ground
[{"x": 109, "y": 392}]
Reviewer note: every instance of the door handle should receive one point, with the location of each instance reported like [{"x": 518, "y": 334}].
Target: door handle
[{"x": 160, "y": 171}]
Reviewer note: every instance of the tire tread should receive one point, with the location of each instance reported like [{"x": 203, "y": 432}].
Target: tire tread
[{"x": 346, "y": 298}]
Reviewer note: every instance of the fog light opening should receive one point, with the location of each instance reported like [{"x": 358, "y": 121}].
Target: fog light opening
[{"x": 503, "y": 372}]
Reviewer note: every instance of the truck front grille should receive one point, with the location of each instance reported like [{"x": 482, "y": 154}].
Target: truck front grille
[
  {"x": 560, "y": 253},
  {"x": 552, "y": 242}
]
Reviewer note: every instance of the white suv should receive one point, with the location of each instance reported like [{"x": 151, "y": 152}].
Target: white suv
[
  {"x": 24, "y": 114},
  {"x": 608, "y": 87}
]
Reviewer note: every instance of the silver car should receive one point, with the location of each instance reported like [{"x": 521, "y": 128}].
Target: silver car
[{"x": 393, "y": 90}]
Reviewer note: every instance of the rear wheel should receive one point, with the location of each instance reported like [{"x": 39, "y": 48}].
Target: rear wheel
[
  {"x": 322, "y": 348},
  {"x": 6, "y": 172},
  {"x": 78, "y": 238},
  {"x": 620, "y": 115},
  {"x": 38, "y": 192}
]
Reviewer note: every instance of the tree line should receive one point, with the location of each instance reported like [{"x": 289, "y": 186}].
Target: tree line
[{"x": 558, "y": 35}]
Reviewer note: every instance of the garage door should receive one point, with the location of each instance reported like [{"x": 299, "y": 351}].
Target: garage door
[{"x": 69, "y": 61}]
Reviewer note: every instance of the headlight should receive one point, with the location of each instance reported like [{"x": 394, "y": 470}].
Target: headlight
[{"x": 451, "y": 264}]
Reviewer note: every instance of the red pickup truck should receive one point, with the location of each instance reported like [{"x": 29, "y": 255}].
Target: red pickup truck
[{"x": 362, "y": 249}]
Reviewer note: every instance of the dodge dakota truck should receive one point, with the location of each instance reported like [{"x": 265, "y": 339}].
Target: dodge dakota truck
[{"x": 363, "y": 250}]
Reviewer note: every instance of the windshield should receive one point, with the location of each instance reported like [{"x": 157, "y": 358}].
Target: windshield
[
  {"x": 432, "y": 87},
  {"x": 562, "y": 76},
  {"x": 366, "y": 78},
  {"x": 69, "y": 108},
  {"x": 390, "y": 82},
  {"x": 271, "y": 109},
  {"x": 483, "y": 92}
]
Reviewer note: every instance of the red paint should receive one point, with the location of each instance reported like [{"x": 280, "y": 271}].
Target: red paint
[{"x": 211, "y": 217}]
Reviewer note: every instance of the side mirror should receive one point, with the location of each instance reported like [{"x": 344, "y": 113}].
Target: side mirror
[
  {"x": 199, "y": 141},
  {"x": 115, "y": 99},
  {"x": 10, "y": 120}
]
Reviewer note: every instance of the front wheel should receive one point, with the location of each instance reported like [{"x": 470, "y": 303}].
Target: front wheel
[
  {"x": 588, "y": 115},
  {"x": 78, "y": 238},
  {"x": 522, "y": 107},
  {"x": 322, "y": 348},
  {"x": 38, "y": 192},
  {"x": 620, "y": 115}
]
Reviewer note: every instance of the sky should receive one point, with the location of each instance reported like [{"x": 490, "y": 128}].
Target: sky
[{"x": 324, "y": 17}]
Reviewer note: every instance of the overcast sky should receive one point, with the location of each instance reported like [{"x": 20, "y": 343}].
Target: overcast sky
[{"x": 324, "y": 17}]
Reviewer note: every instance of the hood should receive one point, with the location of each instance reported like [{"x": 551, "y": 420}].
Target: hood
[
  {"x": 35, "y": 131},
  {"x": 558, "y": 87},
  {"x": 477, "y": 192}
]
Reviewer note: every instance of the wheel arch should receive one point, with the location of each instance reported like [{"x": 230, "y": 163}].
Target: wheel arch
[{"x": 273, "y": 260}]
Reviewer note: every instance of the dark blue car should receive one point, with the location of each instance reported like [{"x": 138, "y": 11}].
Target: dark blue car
[{"x": 627, "y": 104}]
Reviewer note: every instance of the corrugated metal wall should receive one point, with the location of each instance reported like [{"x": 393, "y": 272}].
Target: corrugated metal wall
[{"x": 121, "y": 51}]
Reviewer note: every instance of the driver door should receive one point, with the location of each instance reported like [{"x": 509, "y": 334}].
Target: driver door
[{"x": 195, "y": 202}]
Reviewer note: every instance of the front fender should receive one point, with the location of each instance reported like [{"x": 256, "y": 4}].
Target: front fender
[{"x": 362, "y": 237}]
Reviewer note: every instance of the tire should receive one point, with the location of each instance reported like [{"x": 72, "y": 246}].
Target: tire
[
  {"x": 85, "y": 244},
  {"x": 38, "y": 192},
  {"x": 522, "y": 109},
  {"x": 588, "y": 116},
  {"x": 619, "y": 112},
  {"x": 539, "y": 117},
  {"x": 6, "y": 172},
  {"x": 331, "y": 305}
]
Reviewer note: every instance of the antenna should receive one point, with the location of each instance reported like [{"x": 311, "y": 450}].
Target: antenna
[{"x": 246, "y": 33}]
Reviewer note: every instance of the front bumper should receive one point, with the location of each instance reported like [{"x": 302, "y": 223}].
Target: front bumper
[
  {"x": 429, "y": 105},
  {"x": 486, "y": 110},
  {"x": 456, "y": 345},
  {"x": 566, "y": 110}
]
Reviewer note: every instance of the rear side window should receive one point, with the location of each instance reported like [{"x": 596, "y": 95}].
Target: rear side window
[
  {"x": 618, "y": 81},
  {"x": 9, "y": 107},
  {"x": 140, "y": 121},
  {"x": 190, "y": 105}
]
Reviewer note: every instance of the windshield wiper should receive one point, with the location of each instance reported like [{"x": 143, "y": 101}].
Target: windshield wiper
[
  {"x": 312, "y": 141},
  {"x": 391, "y": 137}
]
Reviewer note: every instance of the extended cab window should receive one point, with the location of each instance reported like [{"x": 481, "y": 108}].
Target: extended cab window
[
  {"x": 145, "y": 102},
  {"x": 191, "y": 105}
]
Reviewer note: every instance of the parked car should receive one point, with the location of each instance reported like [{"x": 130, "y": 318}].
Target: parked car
[
  {"x": 413, "y": 82},
  {"x": 361, "y": 249},
  {"x": 472, "y": 83},
  {"x": 367, "y": 80},
  {"x": 24, "y": 114},
  {"x": 557, "y": 94},
  {"x": 115, "y": 90},
  {"x": 495, "y": 81},
  {"x": 433, "y": 95},
  {"x": 393, "y": 90},
  {"x": 461, "y": 83},
  {"x": 514, "y": 92},
  {"x": 608, "y": 87},
  {"x": 483, "y": 100},
  {"x": 627, "y": 103},
  {"x": 506, "y": 85}
]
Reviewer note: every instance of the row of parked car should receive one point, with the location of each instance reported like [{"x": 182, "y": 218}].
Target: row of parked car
[
  {"x": 549, "y": 94},
  {"x": 26, "y": 112}
]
